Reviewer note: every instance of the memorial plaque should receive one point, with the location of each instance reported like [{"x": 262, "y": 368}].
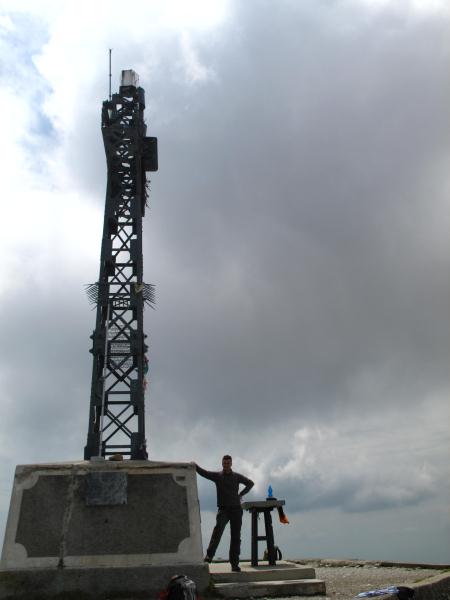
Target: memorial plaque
[{"x": 106, "y": 488}]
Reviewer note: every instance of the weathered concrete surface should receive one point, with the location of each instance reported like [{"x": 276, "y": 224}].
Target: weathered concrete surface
[
  {"x": 259, "y": 589},
  {"x": 434, "y": 588},
  {"x": 60, "y": 516},
  {"x": 103, "y": 526},
  {"x": 96, "y": 584},
  {"x": 283, "y": 570}
]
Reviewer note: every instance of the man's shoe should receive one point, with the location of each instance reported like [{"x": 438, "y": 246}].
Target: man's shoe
[
  {"x": 236, "y": 568},
  {"x": 207, "y": 559}
]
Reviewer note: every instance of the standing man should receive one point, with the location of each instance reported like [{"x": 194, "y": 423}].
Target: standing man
[{"x": 229, "y": 508}]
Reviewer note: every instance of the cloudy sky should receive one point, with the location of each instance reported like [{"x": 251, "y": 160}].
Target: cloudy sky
[{"x": 298, "y": 238}]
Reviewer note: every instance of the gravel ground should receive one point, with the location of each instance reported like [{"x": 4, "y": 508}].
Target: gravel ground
[{"x": 345, "y": 580}]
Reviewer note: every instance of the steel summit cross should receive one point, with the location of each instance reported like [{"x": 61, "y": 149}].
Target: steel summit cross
[{"x": 116, "y": 414}]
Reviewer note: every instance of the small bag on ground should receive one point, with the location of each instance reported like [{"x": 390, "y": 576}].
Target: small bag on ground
[{"x": 181, "y": 588}]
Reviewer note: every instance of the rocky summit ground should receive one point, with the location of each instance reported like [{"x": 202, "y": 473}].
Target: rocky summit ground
[{"x": 345, "y": 579}]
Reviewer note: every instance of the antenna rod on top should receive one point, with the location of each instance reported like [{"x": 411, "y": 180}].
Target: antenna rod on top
[{"x": 110, "y": 51}]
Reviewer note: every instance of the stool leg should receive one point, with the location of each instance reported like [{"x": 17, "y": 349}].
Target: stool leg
[
  {"x": 254, "y": 538},
  {"x": 269, "y": 536}
]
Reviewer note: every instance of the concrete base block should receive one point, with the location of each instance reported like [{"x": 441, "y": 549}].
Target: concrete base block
[
  {"x": 96, "y": 584},
  {"x": 102, "y": 527}
]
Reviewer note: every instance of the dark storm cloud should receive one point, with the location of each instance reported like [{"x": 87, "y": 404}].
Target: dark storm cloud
[
  {"x": 357, "y": 492},
  {"x": 45, "y": 375},
  {"x": 298, "y": 206}
]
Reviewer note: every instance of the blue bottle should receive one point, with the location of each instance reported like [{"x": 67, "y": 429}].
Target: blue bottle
[{"x": 269, "y": 493}]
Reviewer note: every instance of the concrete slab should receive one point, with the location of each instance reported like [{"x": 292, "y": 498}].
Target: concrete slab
[
  {"x": 97, "y": 583},
  {"x": 61, "y": 515},
  {"x": 284, "y": 570},
  {"x": 259, "y": 589},
  {"x": 123, "y": 520}
]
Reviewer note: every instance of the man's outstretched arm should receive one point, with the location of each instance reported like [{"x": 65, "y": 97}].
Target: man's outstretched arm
[{"x": 211, "y": 475}]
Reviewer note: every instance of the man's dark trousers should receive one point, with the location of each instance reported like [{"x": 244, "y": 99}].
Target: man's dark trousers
[{"x": 232, "y": 514}]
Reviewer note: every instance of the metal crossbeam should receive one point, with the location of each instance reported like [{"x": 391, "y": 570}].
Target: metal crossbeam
[{"x": 116, "y": 415}]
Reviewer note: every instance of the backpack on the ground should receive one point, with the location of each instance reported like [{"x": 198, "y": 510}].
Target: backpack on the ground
[
  {"x": 181, "y": 588},
  {"x": 278, "y": 554}
]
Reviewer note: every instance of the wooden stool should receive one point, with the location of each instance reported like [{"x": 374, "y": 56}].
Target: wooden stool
[{"x": 265, "y": 507}]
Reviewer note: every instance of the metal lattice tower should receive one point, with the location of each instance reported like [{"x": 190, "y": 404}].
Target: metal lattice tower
[{"x": 116, "y": 415}]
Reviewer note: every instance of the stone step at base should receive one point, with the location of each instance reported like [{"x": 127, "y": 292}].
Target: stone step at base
[
  {"x": 276, "y": 573},
  {"x": 259, "y": 589},
  {"x": 284, "y": 569}
]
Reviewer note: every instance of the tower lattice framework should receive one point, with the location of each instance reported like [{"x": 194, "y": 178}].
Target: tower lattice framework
[{"x": 116, "y": 414}]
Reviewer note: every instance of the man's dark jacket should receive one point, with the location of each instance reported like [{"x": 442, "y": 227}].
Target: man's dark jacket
[{"x": 227, "y": 485}]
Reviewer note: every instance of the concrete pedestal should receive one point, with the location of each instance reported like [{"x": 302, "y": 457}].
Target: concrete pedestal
[{"x": 101, "y": 529}]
